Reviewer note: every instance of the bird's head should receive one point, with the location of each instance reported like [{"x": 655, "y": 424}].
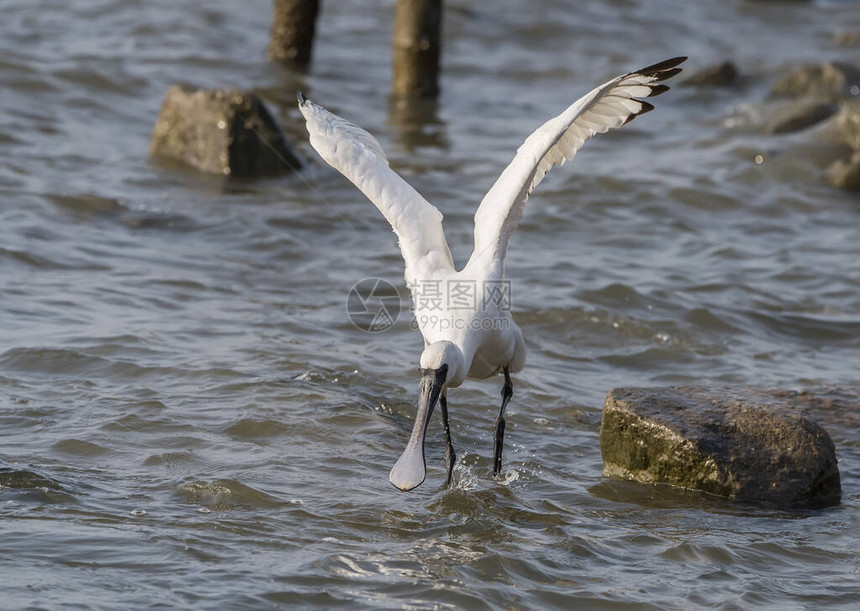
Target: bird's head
[
  {"x": 443, "y": 354},
  {"x": 441, "y": 364}
]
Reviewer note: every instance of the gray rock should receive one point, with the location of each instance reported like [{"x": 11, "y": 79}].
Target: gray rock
[
  {"x": 743, "y": 444},
  {"x": 799, "y": 116},
  {"x": 718, "y": 75},
  {"x": 845, "y": 173},
  {"x": 227, "y": 132},
  {"x": 831, "y": 81}
]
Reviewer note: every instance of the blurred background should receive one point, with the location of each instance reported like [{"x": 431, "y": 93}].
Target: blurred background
[{"x": 189, "y": 419}]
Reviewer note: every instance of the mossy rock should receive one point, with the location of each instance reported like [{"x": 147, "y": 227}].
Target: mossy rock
[{"x": 742, "y": 444}]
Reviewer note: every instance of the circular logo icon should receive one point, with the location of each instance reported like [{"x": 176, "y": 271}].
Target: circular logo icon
[{"x": 373, "y": 305}]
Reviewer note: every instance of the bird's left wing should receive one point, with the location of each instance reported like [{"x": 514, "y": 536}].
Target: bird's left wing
[
  {"x": 611, "y": 105},
  {"x": 360, "y": 158}
]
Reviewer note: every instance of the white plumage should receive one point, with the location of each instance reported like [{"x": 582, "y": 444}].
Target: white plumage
[{"x": 482, "y": 340}]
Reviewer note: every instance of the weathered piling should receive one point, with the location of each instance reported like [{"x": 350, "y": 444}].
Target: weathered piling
[
  {"x": 416, "y": 47},
  {"x": 293, "y": 27}
]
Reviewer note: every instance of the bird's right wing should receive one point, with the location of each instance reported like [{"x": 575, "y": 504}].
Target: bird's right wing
[
  {"x": 360, "y": 158},
  {"x": 611, "y": 105}
]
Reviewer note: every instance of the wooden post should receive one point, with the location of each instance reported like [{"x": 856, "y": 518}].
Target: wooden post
[
  {"x": 293, "y": 31},
  {"x": 415, "y": 48}
]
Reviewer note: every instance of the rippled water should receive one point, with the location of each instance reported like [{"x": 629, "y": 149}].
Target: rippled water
[{"x": 188, "y": 418}]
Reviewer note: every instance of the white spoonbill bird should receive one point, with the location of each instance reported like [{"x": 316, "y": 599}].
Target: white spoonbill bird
[{"x": 474, "y": 335}]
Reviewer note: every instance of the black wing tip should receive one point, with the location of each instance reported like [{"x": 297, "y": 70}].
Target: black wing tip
[
  {"x": 663, "y": 70},
  {"x": 666, "y": 74},
  {"x": 657, "y": 72},
  {"x": 666, "y": 64},
  {"x": 657, "y": 90},
  {"x": 302, "y": 100},
  {"x": 646, "y": 107}
]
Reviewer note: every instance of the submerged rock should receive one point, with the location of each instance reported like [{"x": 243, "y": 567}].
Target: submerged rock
[
  {"x": 21, "y": 478},
  {"x": 717, "y": 75},
  {"x": 227, "y": 132},
  {"x": 832, "y": 81},
  {"x": 742, "y": 444},
  {"x": 226, "y": 494}
]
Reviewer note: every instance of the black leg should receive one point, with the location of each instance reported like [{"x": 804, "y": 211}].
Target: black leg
[
  {"x": 450, "y": 456},
  {"x": 507, "y": 393}
]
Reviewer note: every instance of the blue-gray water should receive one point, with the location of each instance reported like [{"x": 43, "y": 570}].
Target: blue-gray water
[{"x": 189, "y": 420}]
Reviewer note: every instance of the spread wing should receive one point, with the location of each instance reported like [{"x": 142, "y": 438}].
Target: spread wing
[
  {"x": 611, "y": 105},
  {"x": 359, "y": 157}
]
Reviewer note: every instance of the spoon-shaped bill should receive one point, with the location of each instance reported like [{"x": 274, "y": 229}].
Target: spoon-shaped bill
[{"x": 410, "y": 469}]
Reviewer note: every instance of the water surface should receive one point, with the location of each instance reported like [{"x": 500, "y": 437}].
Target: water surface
[{"x": 189, "y": 420}]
